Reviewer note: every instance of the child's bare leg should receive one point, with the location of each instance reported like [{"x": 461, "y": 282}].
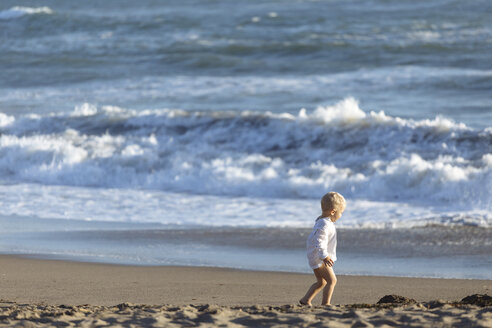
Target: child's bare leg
[
  {"x": 329, "y": 275},
  {"x": 315, "y": 288}
]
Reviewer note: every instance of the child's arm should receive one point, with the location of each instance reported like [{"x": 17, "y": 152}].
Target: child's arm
[{"x": 322, "y": 237}]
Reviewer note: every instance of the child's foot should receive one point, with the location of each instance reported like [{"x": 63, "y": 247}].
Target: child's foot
[{"x": 304, "y": 303}]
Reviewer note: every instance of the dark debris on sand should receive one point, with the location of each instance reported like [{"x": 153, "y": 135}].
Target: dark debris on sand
[
  {"x": 481, "y": 300},
  {"x": 396, "y": 299},
  {"x": 478, "y": 299}
]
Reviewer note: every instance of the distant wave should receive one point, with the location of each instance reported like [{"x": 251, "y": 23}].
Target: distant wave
[
  {"x": 19, "y": 11},
  {"x": 364, "y": 155}
]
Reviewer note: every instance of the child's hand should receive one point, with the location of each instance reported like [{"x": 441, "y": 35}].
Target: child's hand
[{"x": 329, "y": 262}]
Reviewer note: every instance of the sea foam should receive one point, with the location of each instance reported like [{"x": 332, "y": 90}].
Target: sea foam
[
  {"x": 19, "y": 11},
  {"x": 369, "y": 156}
]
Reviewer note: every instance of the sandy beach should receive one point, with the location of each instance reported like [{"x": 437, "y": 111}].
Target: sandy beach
[{"x": 36, "y": 292}]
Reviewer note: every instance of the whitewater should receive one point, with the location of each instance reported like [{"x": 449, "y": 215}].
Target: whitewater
[{"x": 436, "y": 168}]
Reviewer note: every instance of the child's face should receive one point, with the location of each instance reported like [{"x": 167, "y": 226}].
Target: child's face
[{"x": 335, "y": 215}]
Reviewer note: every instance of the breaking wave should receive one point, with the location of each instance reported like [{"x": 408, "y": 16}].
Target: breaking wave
[
  {"x": 19, "y": 11},
  {"x": 364, "y": 155}
]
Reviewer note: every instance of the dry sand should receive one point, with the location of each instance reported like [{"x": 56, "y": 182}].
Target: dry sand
[{"x": 50, "y": 293}]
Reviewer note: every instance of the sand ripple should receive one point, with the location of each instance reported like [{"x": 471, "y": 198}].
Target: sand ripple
[{"x": 435, "y": 314}]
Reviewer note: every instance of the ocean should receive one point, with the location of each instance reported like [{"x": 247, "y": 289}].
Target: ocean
[{"x": 204, "y": 133}]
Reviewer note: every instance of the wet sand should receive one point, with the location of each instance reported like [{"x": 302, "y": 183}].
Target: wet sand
[{"x": 184, "y": 295}]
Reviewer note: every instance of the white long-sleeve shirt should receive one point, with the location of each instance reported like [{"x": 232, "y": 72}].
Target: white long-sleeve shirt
[{"x": 322, "y": 242}]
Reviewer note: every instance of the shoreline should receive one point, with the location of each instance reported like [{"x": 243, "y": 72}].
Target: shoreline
[
  {"x": 43, "y": 257},
  {"x": 448, "y": 252},
  {"x": 32, "y": 280}
]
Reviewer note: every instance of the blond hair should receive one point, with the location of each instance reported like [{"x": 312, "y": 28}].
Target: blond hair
[{"x": 333, "y": 201}]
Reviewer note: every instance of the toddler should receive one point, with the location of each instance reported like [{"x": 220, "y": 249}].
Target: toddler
[{"x": 322, "y": 248}]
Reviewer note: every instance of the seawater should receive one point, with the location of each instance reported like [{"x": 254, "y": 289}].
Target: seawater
[{"x": 205, "y": 132}]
